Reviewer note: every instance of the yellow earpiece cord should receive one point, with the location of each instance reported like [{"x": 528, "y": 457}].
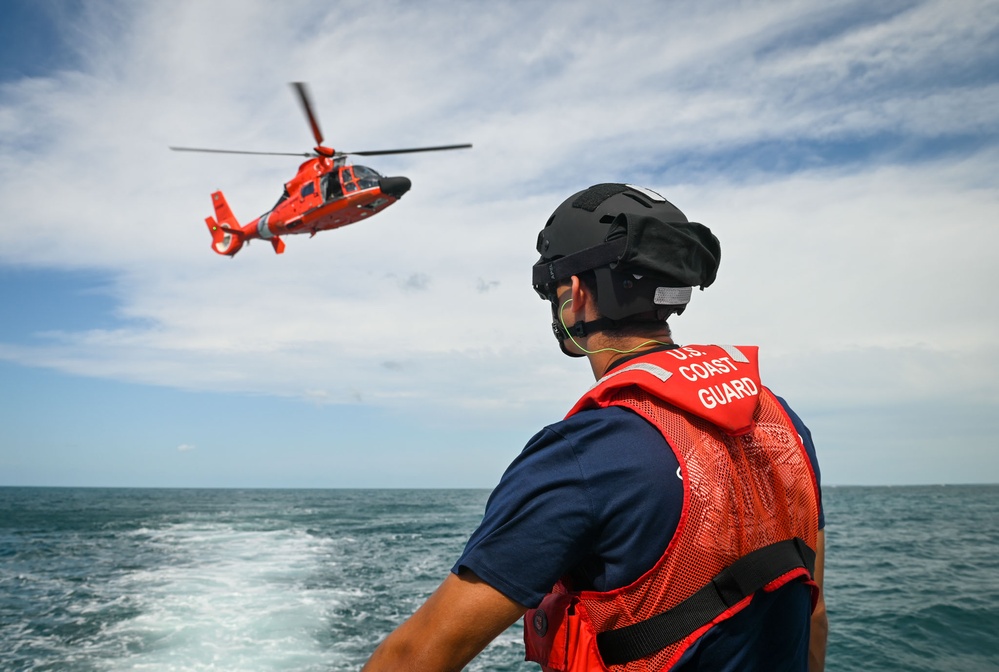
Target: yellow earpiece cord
[{"x": 593, "y": 352}]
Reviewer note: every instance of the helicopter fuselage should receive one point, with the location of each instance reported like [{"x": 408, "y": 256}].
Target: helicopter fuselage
[{"x": 326, "y": 193}]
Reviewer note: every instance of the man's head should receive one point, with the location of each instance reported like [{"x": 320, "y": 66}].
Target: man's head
[{"x": 635, "y": 251}]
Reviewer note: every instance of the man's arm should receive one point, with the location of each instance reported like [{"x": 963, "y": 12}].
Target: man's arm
[
  {"x": 462, "y": 616},
  {"x": 820, "y": 622}
]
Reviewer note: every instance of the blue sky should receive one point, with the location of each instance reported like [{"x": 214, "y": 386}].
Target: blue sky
[{"x": 845, "y": 154}]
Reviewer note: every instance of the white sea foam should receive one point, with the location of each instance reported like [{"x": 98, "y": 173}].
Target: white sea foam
[
  {"x": 226, "y": 599},
  {"x": 243, "y": 581}
]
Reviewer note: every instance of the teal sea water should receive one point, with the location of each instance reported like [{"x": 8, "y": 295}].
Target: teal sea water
[{"x": 158, "y": 580}]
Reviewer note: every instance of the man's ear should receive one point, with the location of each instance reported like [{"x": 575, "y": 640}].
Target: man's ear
[{"x": 580, "y": 295}]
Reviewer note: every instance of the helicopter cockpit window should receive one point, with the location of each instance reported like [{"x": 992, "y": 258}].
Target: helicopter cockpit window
[
  {"x": 284, "y": 197},
  {"x": 367, "y": 178},
  {"x": 349, "y": 184},
  {"x": 331, "y": 187},
  {"x": 308, "y": 189}
]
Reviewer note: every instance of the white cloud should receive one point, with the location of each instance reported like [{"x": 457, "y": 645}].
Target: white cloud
[{"x": 185, "y": 447}]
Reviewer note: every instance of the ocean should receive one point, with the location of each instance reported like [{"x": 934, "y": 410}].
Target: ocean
[{"x": 160, "y": 579}]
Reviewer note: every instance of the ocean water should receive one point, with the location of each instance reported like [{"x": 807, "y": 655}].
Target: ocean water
[{"x": 162, "y": 580}]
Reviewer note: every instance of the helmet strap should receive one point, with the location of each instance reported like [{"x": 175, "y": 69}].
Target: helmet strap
[
  {"x": 561, "y": 331},
  {"x": 564, "y": 332}
]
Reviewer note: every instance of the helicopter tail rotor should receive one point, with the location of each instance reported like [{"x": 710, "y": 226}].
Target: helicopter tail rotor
[{"x": 227, "y": 238}]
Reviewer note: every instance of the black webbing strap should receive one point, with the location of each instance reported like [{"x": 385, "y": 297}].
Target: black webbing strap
[
  {"x": 546, "y": 272},
  {"x": 744, "y": 577}
]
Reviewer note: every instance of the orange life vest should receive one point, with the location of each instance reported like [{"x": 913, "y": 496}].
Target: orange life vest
[{"x": 749, "y": 519}]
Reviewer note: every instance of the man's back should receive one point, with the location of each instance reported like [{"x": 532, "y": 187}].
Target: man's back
[{"x": 603, "y": 487}]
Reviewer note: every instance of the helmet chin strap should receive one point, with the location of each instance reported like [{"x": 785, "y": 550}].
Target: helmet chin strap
[
  {"x": 582, "y": 329},
  {"x": 560, "y": 330}
]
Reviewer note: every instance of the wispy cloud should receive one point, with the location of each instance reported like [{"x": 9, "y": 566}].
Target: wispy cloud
[
  {"x": 482, "y": 286},
  {"x": 846, "y": 157}
]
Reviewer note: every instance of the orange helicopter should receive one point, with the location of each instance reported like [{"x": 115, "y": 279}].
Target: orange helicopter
[{"x": 327, "y": 193}]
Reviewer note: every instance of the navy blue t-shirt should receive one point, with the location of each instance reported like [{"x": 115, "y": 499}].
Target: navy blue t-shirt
[{"x": 597, "y": 497}]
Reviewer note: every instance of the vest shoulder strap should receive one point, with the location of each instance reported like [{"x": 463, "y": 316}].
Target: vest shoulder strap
[{"x": 733, "y": 584}]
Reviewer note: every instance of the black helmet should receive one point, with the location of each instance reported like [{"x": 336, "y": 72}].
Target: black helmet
[{"x": 645, "y": 255}]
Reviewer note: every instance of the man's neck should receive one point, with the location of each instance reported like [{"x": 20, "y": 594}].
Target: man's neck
[{"x": 601, "y": 361}]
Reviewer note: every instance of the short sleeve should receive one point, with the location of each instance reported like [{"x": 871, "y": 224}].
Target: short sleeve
[
  {"x": 537, "y": 518},
  {"x": 596, "y": 497}
]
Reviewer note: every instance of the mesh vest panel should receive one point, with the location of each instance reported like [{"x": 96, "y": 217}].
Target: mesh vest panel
[{"x": 740, "y": 494}]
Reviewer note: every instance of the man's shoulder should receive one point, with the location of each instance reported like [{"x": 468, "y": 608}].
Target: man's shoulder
[
  {"x": 606, "y": 422},
  {"x": 606, "y": 444}
]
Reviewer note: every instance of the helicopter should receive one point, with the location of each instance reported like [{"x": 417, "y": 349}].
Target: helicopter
[{"x": 325, "y": 194}]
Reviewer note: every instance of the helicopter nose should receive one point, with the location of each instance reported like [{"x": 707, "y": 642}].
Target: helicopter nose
[{"x": 395, "y": 186}]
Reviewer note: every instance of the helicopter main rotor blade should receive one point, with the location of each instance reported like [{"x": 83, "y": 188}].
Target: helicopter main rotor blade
[
  {"x": 411, "y": 150},
  {"x": 303, "y": 96},
  {"x": 237, "y": 151}
]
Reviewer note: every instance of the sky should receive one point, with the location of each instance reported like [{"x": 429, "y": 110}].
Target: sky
[{"x": 845, "y": 153}]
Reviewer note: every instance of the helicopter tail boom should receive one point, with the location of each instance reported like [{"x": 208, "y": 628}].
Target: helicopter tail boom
[{"x": 227, "y": 238}]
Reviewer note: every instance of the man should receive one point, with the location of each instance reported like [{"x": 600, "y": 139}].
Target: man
[{"x": 673, "y": 519}]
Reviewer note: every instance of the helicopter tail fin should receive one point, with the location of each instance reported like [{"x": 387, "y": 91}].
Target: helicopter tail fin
[{"x": 226, "y": 235}]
